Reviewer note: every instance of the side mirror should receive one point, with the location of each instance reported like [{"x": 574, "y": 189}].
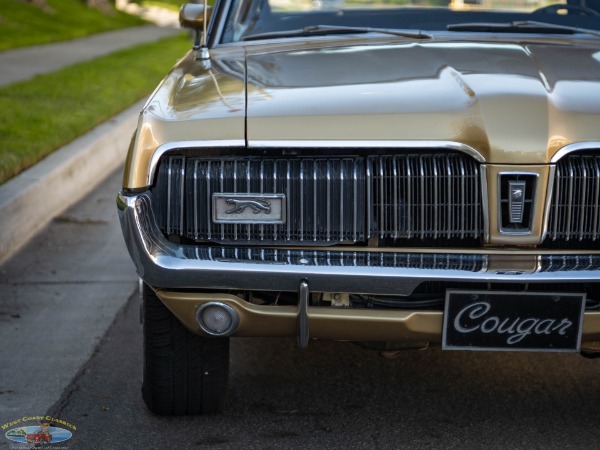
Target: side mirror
[{"x": 192, "y": 15}]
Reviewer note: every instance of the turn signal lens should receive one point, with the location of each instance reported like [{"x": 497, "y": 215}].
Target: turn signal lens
[{"x": 217, "y": 319}]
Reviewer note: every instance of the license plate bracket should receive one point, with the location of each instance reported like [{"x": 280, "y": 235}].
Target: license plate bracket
[{"x": 512, "y": 321}]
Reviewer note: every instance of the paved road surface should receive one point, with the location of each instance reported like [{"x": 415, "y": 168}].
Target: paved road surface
[{"x": 337, "y": 396}]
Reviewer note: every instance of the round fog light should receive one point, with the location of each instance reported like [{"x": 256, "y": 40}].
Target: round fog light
[{"x": 217, "y": 319}]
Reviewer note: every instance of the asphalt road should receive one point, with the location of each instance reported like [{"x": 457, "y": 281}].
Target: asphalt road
[{"x": 331, "y": 396}]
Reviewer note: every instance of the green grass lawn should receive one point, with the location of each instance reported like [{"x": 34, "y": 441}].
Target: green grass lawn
[
  {"x": 40, "y": 115},
  {"x": 23, "y": 24},
  {"x": 173, "y": 5}
]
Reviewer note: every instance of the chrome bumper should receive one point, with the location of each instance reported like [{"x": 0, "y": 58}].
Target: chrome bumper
[{"x": 165, "y": 265}]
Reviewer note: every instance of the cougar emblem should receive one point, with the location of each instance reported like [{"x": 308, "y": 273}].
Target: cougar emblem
[{"x": 257, "y": 206}]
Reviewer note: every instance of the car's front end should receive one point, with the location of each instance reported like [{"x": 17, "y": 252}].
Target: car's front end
[{"x": 393, "y": 185}]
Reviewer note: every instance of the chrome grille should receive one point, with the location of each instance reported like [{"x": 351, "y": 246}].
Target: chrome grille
[
  {"x": 425, "y": 197},
  {"x": 575, "y": 206},
  {"x": 325, "y": 198},
  {"x": 328, "y": 200},
  {"x": 325, "y": 258},
  {"x": 565, "y": 263}
]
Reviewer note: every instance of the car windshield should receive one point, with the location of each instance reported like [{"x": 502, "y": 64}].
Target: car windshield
[{"x": 264, "y": 19}]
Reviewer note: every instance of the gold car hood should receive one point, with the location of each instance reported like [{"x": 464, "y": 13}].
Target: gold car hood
[{"x": 514, "y": 103}]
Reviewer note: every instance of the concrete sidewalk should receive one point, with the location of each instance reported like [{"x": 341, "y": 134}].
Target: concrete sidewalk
[
  {"x": 24, "y": 63},
  {"x": 33, "y": 198}
]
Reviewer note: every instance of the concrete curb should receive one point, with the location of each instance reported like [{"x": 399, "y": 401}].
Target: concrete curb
[{"x": 31, "y": 200}]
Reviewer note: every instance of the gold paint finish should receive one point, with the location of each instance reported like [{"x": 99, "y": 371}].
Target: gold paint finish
[
  {"x": 194, "y": 102},
  {"x": 514, "y": 103},
  {"x": 591, "y": 326},
  {"x": 512, "y": 263},
  {"x": 329, "y": 323},
  {"x": 325, "y": 323}
]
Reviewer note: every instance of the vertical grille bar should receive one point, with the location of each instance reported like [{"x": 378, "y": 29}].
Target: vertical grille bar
[
  {"x": 583, "y": 201},
  {"x": 341, "y": 227},
  {"x": 435, "y": 199},
  {"x": 569, "y": 201},
  {"x": 369, "y": 200},
  {"x": 302, "y": 201},
  {"x": 196, "y": 200},
  {"x": 556, "y": 201},
  {"x": 315, "y": 208},
  {"x": 395, "y": 190},
  {"x": 222, "y": 180},
  {"x": 409, "y": 201},
  {"x": 289, "y": 199},
  {"x": 477, "y": 219},
  {"x": 175, "y": 188},
  {"x": 169, "y": 195},
  {"x": 235, "y": 189},
  {"x": 355, "y": 203},
  {"x": 382, "y": 211},
  {"x": 328, "y": 210},
  {"x": 262, "y": 190},
  {"x": 463, "y": 202},
  {"x": 275, "y": 227},
  {"x": 422, "y": 207},
  {"x": 596, "y": 200},
  {"x": 181, "y": 196},
  {"x": 450, "y": 202},
  {"x": 208, "y": 201}
]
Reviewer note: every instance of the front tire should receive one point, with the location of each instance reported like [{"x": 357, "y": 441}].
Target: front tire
[{"x": 184, "y": 374}]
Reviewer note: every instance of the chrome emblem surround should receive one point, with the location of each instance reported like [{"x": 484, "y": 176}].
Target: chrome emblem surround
[
  {"x": 248, "y": 208},
  {"x": 516, "y": 200}
]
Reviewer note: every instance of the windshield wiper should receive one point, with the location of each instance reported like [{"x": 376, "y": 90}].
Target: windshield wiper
[
  {"x": 520, "y": 25},
  {"x": 322, "y": 30}
]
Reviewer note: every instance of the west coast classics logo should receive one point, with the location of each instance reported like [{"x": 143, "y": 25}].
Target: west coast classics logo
[{"x": 39, "y": 431}]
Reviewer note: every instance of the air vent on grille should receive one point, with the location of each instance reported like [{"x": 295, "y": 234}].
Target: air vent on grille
[{"x": 416, "y": 198}]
